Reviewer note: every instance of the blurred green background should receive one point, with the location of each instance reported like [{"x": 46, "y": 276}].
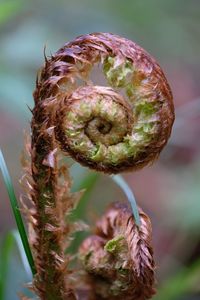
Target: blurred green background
[{"x": 169, "y": 191}]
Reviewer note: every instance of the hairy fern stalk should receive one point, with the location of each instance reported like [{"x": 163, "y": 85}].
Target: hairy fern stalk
[{"x": 122, "y": 126}]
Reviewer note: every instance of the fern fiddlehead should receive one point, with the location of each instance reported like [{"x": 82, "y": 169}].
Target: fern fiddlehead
[
  {"x": 118, "y": 127},
  {"x": 119, "y": 257}
]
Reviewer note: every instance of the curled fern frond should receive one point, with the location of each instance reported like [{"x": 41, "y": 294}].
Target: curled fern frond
[
  {"x": 118, "y": 258},
  {"x": 120, "y": 124},
  {"x": 114, "y": 128}
]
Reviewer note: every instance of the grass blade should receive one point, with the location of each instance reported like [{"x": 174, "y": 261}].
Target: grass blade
[
  {"x": 5, "y": 254},
  {"x": 16, "y": 237},
  {"x": 119, "y": 180},
  {"x": 16, "y": 212},
  {"x": 11, "y": 238}
]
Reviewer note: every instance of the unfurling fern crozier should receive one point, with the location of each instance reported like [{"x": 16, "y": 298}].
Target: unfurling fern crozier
[
  {"x": 114, "y": 128},
  {"x": 121, "y": 125}
]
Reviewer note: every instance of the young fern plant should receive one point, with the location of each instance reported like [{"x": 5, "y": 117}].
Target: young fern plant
[{"x": 119, "y": 127}]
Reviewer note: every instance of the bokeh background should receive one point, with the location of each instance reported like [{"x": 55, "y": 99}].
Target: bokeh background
[{"x": 169, "y": 191}]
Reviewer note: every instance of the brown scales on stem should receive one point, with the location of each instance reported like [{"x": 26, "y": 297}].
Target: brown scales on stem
[
  {"x": 105, "y": 131},
  {"x": 51, "y": 203}
]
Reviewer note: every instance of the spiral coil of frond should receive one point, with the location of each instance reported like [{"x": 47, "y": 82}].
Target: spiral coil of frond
[
  {"x": 114, "y": 128},
  {"x": 121, "y": 124}
]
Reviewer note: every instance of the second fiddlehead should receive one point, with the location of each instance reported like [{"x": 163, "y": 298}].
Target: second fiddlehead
[
  {"x": 119, "y": 257},
  {"x": 117, "y": 127}
]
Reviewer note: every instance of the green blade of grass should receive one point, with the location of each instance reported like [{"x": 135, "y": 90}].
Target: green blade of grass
[
  {"x": 17, "y": 239},
  {"x": 16, "y": 212},
  {"x": 5, "y": 254},
  {"x": 119, "y": 180},
  {"x": 10, "y": 239}
]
